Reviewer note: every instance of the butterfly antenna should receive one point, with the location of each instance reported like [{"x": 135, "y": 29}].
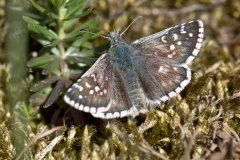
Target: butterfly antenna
[
  {"x": 87, "y": 31},
  {"x": 139, "y": 16}
]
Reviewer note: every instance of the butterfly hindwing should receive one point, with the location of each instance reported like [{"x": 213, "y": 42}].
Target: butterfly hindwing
[
  {"x": 92, "y": 92},
  {"x": 122, "y": 103},
  {"x": 160, "y": 81}
]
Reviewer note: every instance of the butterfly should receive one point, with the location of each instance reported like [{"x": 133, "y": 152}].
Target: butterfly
[{"x": 131, "y": 78}]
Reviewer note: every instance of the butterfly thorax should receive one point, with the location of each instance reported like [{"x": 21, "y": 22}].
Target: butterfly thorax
[{"x": 121, "y": 54}]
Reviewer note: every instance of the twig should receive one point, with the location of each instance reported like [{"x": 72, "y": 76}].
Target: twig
[{"x": 46, "y": 133}]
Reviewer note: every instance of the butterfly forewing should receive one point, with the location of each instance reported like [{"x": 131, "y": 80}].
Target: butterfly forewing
[
  {"x": 177, "y": 45},
  {"x": 92, "y": 92}
]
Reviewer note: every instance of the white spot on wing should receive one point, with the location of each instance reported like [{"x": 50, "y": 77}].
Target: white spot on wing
[
  {"x": 190, "y": 58},
  {"x": 163, "y": 70},
  {"x": 81, "y": 107},
  {"x": 76, "y": 105},
  {"x": 86, "y": 109},
  {"x": 94, "y": 77},
  {"x": 178, "y": 90},
  {"x": 184, "y": 83},
  {"x": 91, "y": 92},
  {"x": 171, "y": 55},
  {"x": 172, "y": 47},
  {"x": 109, "y": 115},
  {"x": 164, "y": 39},
  {"x": 87, "y": 85},
  {"x": 72, "y": 102},
  {"x": 200, "y": 35},
  {"x": 198, "y": 45},
  {"x": 175, "y": 37},
  {"x": 200, "y": 40},
  {"x": 101, "y": 109},
  {"x": 164, "y": 98},
  {"x": 99, "y": 115},
  {"x": 97, "y": 88},
  {"x": 172, "y": 94},
  {"x": 105, "y": 91},
  {"x": 80, "y": 88},
  {"x": 201, "y": 29},
  {"x": 123, "y": 113},
  {"x": 200, "y": 23},
  {"x": 195, "y": 52},
  {"x": 93, "y": 110},
  {"x": 164, "y": 84},
  {"x": 116, "y": 114},
  {"x": 66, "y": 99}
]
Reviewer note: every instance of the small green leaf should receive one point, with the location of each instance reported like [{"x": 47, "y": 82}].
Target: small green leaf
[
  {"x": 53, "y": 43},
  {"x": 27, "y": 112},
  {"x": 69, "y": 1},
  {"x": 41, "y": 60},
  {"x": 86, "y": 25},
  {"x": 58, "y": 3},
  {"x": 51, "y": 67},
  {"x": 42, "y": 30},
  {"x": 75, "y": 6},
  {"x": 37, "y": 98},
  {"x": 75, "y": 45},
  {"x": 74, "y": 74},
  {"x": 30, "y": 20},
  {"x": 73, "y": 34},
  {"x": 69, "y": 24},
  {"x": 42, "y": 10},
  {"x": 54, "y": 94},
  {"x": 42, "y": 84},
  {"x": 77, "y": 59},
  {"x": 38, "y": 36},
  {"x": 79, "y": 15}
]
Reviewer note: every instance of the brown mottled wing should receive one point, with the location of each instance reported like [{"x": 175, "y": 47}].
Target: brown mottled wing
[
  {"x": 92, "y": 92},
  {"x": 177, "y": 45},
  {"x": 160, "y": 81}
]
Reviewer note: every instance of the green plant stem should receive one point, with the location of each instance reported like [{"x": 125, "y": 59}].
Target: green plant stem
[{"x": 61, "y": 34}]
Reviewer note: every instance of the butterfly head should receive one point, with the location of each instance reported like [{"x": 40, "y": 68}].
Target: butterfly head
[{"x": 114, "y": 38}]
